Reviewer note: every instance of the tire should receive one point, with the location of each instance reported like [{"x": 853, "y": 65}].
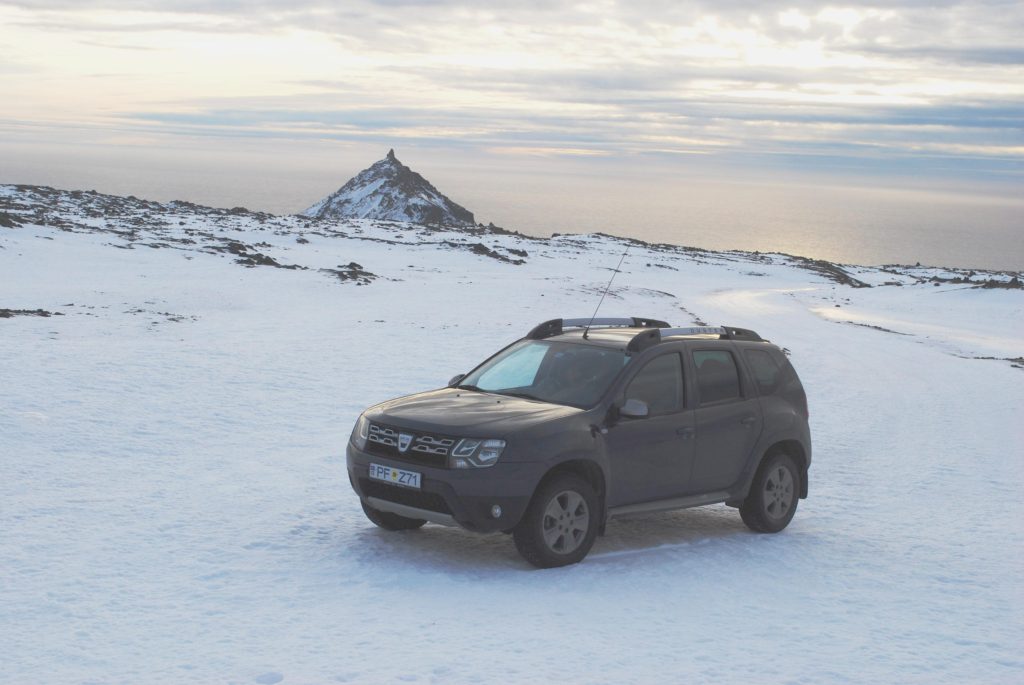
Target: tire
[
  {"x": 560, "y": 524},
  {"x": 773, "y": 495},
  {"x": 389, "y": 521}
]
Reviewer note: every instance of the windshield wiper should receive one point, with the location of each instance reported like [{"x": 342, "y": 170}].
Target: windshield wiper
[{"x": 467, "y": 386}]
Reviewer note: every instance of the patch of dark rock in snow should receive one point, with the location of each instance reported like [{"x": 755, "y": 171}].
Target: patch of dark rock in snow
[
  {"x": 967, "y": 278},
  {"x": 832, "y": 272},
  {"x": 657, "y": 247},
  {"x": 874, "y": 327},
  {"x": 168, "y": 316},
  {"x": 249, "y": 258},
  {"x": 1012, "y": 284},
  {"x": 483, "y": 251},
  {"x": 352, "y": 272},
  {"x": 10, "y": 313},
  {"x": 1015, "y": 362},
  {"x": 10, "y": 220}
]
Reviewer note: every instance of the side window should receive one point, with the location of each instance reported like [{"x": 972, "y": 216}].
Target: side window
[
  {"x": 717, "y": 378},
  {"x": 659, "y": 384},
  {"x": 767, "y": 373}
]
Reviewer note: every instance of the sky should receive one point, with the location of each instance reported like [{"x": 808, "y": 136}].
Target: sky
[{"x": 274, "y": 103}]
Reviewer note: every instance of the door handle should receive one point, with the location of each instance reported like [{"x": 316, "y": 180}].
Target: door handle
[
  {"x": 685, "y": 431},
  {"x": 748, "y": 420}
]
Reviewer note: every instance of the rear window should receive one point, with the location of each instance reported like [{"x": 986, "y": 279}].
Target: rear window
[
  {"x": 717, "y": 377},
  {"x": 767, "y": 373}
]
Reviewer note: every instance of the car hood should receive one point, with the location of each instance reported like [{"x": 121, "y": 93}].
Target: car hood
[{"x": 466, "y": 412}]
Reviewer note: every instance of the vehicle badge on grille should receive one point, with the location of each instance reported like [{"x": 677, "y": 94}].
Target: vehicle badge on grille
[{"x": 404, "y": 440}]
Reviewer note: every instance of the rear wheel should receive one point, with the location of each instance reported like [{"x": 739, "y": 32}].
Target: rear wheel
[
  {"x": 389, "y": 521},
  {"x": 773, "y": 496},
  {"x": 560, "y": 524}
]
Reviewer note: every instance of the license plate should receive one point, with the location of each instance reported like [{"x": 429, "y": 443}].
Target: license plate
[{"x": 409, "y": 479}]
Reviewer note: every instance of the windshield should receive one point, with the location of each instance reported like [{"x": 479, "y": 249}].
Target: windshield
[{"x": 563, "y": 373}]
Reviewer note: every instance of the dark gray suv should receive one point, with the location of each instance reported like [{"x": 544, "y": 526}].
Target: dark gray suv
[{"x": 586, "y": 419}]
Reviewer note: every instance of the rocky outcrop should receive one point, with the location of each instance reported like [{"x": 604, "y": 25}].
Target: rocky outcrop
[{"x": 391, "y": 191}]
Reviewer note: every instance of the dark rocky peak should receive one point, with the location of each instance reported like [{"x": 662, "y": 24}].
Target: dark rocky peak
[{"x": 391, "y": 191}]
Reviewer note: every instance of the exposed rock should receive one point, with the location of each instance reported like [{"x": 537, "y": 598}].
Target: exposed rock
[
  {"x": 10, "y": 220},
  {"x": 352, "y": 272},
  {"x": 484, "y": 251},
  {"x": 248, "y": 257},
  {"x": 831, "y": 271},
  {"x": 1012, "y": 284},
  {"x": 10, "y": 313},
  {"x": 392, "y": 191}
]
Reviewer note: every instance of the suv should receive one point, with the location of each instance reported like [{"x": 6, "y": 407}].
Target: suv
[{"x": 584, "y": 420}]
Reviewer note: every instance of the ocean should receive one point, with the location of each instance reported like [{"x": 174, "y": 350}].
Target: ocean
[
  {"x": 952, "y": 227},
  {"x": 869, "y": 226}
]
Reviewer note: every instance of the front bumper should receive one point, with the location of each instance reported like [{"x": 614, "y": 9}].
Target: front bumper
[{"x": 462, "y": 497}]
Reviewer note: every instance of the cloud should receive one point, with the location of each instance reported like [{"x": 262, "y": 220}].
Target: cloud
[
  {"x": 784, "y": 79},
  {"x": 1005, "y": 55}
]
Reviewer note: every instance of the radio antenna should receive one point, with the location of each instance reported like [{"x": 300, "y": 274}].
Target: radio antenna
[{"x": 606, "y": 289}]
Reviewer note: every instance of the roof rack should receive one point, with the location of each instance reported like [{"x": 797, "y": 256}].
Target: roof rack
[
  {"x": 555, "y": 326},
  {"x": 642, "y": 341},
  {"x": 724, "y": 332},
  {"x": 694, "y": 330},
  {"x": 656, "y": 332}
]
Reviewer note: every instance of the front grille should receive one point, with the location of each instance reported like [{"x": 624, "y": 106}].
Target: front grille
[
  {"x": 420, "y": 448},
  {"x": 411, "y": 498}
]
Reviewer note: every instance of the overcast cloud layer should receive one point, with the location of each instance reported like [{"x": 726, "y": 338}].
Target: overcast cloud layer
[{"x": 897, "y": 87}]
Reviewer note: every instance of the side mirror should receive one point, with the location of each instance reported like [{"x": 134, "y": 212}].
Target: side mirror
[
  {"x": 635, "y": 409},
  {"x": 455, "y": 380}
]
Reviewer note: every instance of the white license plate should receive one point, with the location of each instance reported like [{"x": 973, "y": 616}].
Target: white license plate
[{"x": 409, "y": 479}]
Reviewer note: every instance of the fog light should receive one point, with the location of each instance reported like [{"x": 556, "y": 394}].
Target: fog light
[{"x": 496, "y": 511}]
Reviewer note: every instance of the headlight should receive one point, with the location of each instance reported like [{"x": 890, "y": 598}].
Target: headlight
[
  {"x": 473, "y": 453},
  {"x": 360, "y": 432}
]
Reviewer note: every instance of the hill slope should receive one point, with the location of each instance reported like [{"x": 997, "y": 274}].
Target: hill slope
[
  {"x": 390, "y": 190},
  {"x": 179, "y": 384}
]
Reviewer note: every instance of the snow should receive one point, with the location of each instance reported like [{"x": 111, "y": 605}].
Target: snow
[
  {"x": 174, "y": 505},
  {"x": 388, "y": 190}
]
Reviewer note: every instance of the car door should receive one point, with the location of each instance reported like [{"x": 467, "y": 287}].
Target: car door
[
  {"x": 727, "y": 417},
  {"x": 650, "y": 457}
]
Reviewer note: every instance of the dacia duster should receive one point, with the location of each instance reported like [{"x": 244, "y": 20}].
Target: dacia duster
[{"x": 584, "y": 420}]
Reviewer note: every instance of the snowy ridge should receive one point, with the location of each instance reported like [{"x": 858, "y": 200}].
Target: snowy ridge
[
  {"x": 179, "y": 384},
  {"x": 392, "y": 191}
]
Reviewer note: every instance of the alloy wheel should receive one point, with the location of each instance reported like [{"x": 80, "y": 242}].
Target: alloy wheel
[
  {"x": 565, "y": 522},
  {"x": 778, "y": 492}
]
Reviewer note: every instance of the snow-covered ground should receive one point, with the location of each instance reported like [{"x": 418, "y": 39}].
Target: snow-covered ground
[{"x": 174, "y": 506}]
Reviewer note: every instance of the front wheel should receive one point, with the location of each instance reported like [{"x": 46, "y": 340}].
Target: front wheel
[
  {"x": 773, "y": 495},
  {"x": 560, "y": 524},
  {"x": 389, "y": 521}
]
